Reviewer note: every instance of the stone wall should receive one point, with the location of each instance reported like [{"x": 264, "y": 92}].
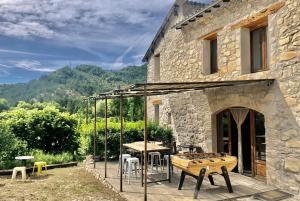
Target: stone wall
[{"x": 193, "y": 114}]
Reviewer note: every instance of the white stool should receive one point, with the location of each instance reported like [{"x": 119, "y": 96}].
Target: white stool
[
  {"x": 124, "y": 158},
  {"x": 153, "y": 156},
  {"x": 19, "y": 169},
  {"x": 132, "y": 164},
  {"x": 166, "y": 158}
]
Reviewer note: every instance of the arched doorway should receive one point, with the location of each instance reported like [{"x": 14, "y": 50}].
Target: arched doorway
[{"x": 253, "y": 140}]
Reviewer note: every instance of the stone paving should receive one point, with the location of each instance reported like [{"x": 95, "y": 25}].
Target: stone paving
[{"x": 244, "y": 187}]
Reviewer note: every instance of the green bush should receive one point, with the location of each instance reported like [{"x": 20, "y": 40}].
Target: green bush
[
  {"x": 43, "y": 127},
  {"x": 10, "y": 145},
  {"x": 133, "y": 131},
  {"x": 52, "y": 158}
]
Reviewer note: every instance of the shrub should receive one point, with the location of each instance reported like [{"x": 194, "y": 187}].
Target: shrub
[
  {"x": 133, "y": 131},
  {"x": 10, "y": 145},
  {"x": 43, "y": 127},
  {"x": 52, "y": 158}
]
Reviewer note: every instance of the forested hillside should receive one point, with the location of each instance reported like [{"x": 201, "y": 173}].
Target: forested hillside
[{"x": 66, "y": 86}]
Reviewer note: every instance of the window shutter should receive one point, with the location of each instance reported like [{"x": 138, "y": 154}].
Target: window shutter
[
  {"x": 206, "y": 57},
  {"x": 245, "y": 51}
]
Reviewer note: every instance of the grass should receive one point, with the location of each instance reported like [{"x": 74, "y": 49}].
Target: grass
[{"x": 59, "y": 184}]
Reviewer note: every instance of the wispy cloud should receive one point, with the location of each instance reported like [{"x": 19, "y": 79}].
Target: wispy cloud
[
  {"x": 104, "y": 32},
  {"x": 26, "y": 53},
  {"x": 31, "y": 65}
]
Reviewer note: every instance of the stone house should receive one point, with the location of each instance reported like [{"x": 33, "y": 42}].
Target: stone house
[{"x": 234, "y": 40}]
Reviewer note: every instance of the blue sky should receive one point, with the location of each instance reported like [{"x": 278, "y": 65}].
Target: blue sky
[{"x": 40, "y": 36}]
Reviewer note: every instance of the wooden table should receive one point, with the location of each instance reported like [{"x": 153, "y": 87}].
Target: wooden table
[{"x": 151, "y": 147}]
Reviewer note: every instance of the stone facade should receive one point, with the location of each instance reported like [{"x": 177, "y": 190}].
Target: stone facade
[{"x": 193, "y": 114}]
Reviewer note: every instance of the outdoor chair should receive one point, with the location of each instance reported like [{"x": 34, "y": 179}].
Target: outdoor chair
[
  {"x": 124, "y": 159},
  {"x": 166, "y": 158},
  {"x": 132, "y": 164},
  {"x": 39, "y": 166},
  {"x": 19, "y": 169},
  {"x": 155, "y": 159}
]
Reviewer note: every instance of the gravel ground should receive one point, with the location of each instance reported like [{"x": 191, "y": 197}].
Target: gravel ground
[{"x": 59, "y": 184}]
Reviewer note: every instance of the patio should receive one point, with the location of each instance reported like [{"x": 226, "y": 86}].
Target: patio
[{"x": 243, "y": 186}]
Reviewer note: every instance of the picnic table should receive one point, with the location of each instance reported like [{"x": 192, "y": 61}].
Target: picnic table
[
  {"x": 24, "y": 159},
  {"x": 151, "y": 147}
]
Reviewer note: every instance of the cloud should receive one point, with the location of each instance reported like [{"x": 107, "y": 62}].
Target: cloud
[
  {"x": 31, "y": 65},
  {"x": 25, "y": 53},
  {"x": 109, "y": 33}
]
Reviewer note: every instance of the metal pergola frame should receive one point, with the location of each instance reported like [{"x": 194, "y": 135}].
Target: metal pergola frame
[{"x": 152, "y": 89}]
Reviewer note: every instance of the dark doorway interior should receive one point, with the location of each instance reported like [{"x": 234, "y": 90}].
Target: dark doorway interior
[
  {"x": 246, "y": 143},
  {"x": 253, "y": 140}
]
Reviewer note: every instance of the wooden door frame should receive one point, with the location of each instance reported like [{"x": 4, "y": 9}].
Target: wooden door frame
[{"x": 252, "y": 136}]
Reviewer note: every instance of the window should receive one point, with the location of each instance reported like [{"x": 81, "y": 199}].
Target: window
[
  {"x": 157, "y": 67},
  {"x": 254, "y": 45},
  {"x": 214, "y": 56},
  {"x": 258, "y": 41},
  {"x": 156, "y": 113},
  {"x": 210, "y": 53}
]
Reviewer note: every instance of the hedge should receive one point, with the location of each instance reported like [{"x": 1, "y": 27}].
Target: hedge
[{"x": 133, "y": 131}]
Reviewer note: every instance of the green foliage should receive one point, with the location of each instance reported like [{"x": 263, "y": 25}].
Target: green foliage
[
  {"x": 43, "y": 127},
  {"x": 64, "y": 157},
  {"x": 10, "y": 145},
  {"x": 66, "y": 86},
  {"x": 133, "y": 131},
  {"x": 3, "y": 104},
  {"x": 133, "y": 108}
]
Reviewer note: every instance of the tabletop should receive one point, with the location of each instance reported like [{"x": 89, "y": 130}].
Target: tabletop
[
  {"x": 24, "y": 157},
  {"x": 139, "y": 146}
]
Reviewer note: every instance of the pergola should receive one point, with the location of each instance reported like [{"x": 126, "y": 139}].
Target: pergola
[{"x": 147, "y": 90}]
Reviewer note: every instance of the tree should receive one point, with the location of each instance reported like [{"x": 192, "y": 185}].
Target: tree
[
  {"x": 43, "y": 127},
  {"x": 3, "y": 104}
]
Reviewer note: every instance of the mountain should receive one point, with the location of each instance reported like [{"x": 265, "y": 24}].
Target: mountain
[{"x": 67, "y": 85}]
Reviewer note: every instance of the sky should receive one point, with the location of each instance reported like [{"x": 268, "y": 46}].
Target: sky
[{"x": 40, "y": 36}]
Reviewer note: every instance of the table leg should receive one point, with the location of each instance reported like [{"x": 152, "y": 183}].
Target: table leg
[
  {"x": 199, "y": 182},
  {"x": 169, "y": 165},
  {"x": 227, "y": 180},
  {"x": 24, "y": 163},
  {"x": 142, "y": 169},
  {"x": 211, "y": 179},
  {"x": 182, "y": 177}
]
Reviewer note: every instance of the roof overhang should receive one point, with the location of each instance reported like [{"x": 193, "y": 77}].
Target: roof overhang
[
  {"x": 201, "y": 13},
  {"x": 156, "y": 89}
]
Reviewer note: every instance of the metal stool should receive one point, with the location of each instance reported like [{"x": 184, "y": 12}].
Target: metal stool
[
  {"x": 132, "y": 164},
  {"x": 155, "y": 157},
  {"x": 166, "y": 158},
  {"x": 19, "y": 169},
  {"x": 124, "y": 159}
]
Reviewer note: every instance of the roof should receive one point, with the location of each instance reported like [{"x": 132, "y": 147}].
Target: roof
[
  {"x": 155, "y": 89},
  {"x": 201, "y": 12},
  {"x": 161, "y": 30}
]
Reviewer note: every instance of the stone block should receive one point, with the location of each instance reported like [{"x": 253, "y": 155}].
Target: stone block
[
  {"x": 297, "y": 178},
  {"x": 293, "y": 144},
  {"x": 285, "y": 56},
  {"x": 292, "y": 165},
  {"x": 284, "y": 41}
]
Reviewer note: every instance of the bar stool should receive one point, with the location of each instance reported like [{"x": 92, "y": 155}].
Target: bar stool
[
  {"x": 166, "y": 158},
  {"x": 155, "y": 158},
  {"x": 132, "y": 165},
  {"x": 124, "y": 159}
]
